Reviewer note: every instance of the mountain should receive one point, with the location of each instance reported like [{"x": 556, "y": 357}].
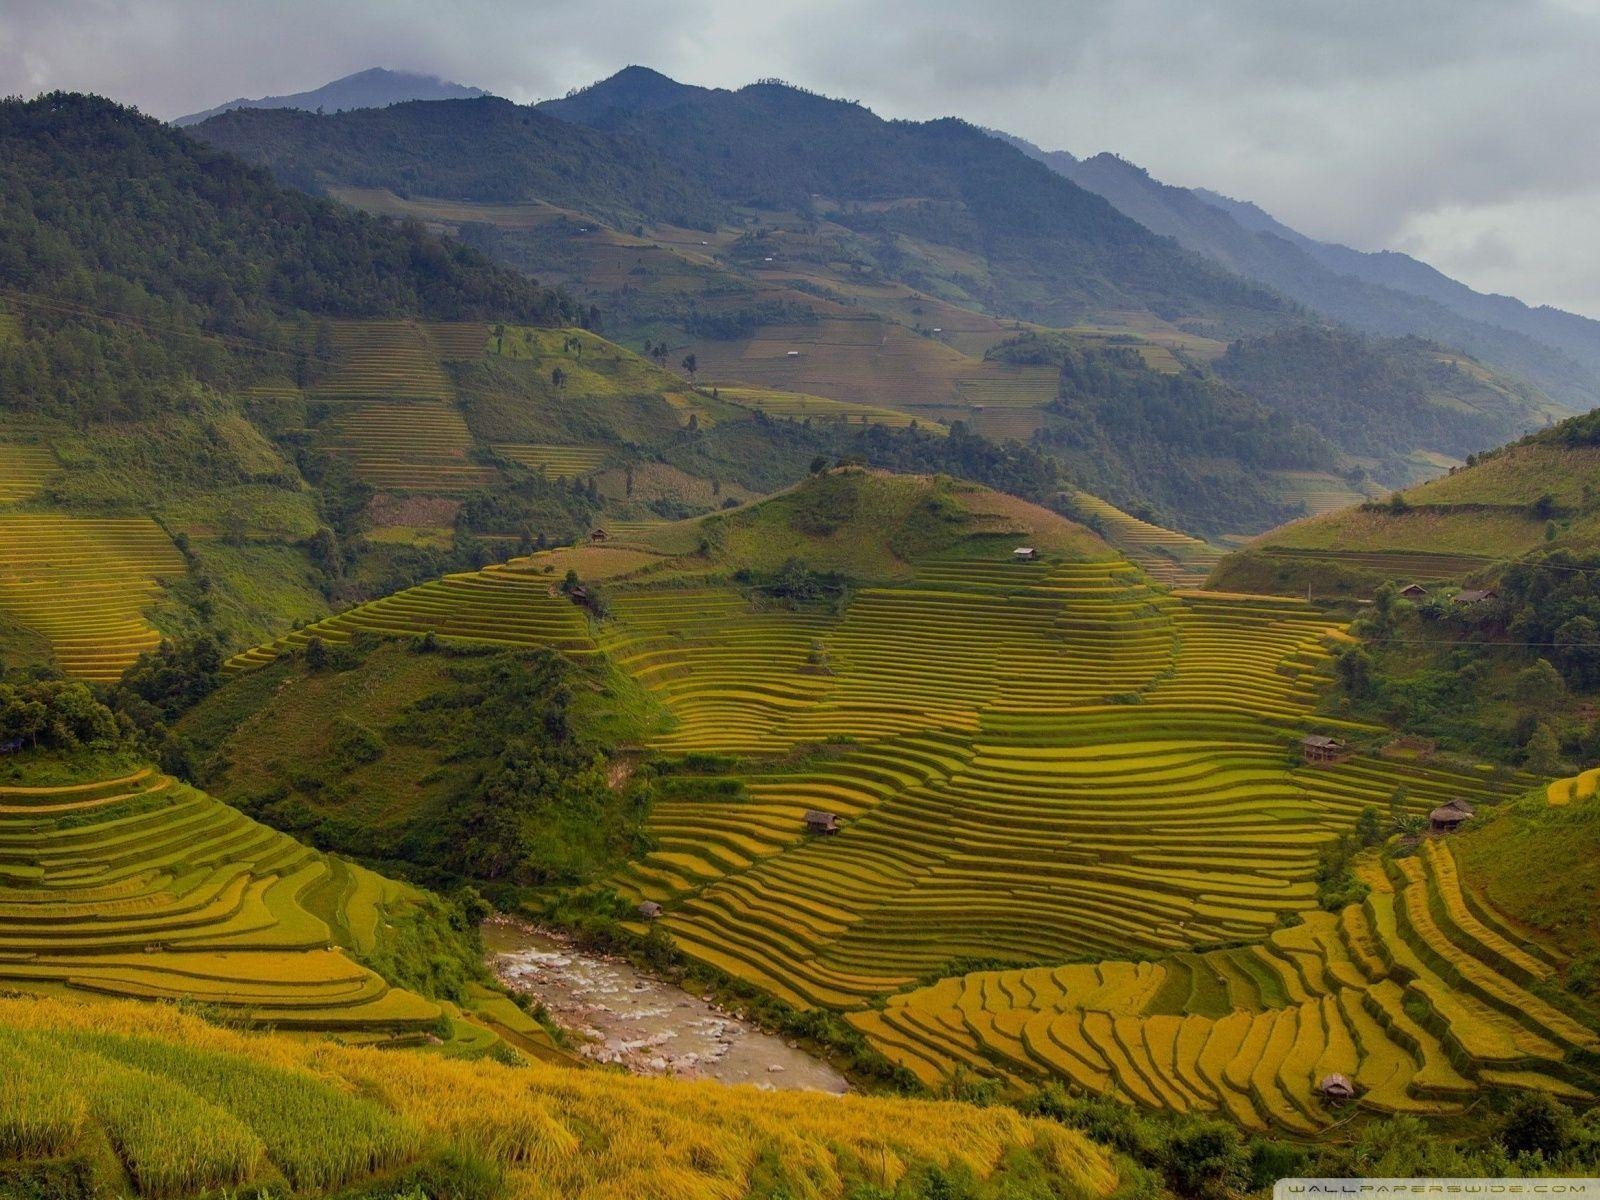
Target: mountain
[
  {"x": 485, "y": 150},
  {"x": 1056, "y": 252},
  {"x": 1577, "y": 335},
  {"x": 1377, "y": 294},
  {"x": 789, "y": 241},
  {"x": 373, "y": 88}
]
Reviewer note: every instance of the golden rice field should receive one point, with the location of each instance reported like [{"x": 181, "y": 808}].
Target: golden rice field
[
  {"x": 1582, "y": 786},
  {"x": 85, "y": 583},
  {"x": 458, "y": 341},
  {"x": 383, "y": 360},
  {"x": 558, "y": 462},
  {"x": 24, "y": 470},
  {"x": 143, "y": 887},
  {"x": 1167, "y": 556},
  {"x": 190, "y": 1108},
  {"x": 1033, "y": 761},
  {"x": 419, "y": 445},
  {"x": 1423, "y": 995},
  {"x": 495, "y": 606}
]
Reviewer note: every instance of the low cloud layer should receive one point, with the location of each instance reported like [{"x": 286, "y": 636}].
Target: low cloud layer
[{"x": 1457, "y": 130}]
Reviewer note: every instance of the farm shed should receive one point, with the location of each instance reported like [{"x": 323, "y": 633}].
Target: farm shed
[
  {"x": 821, "y": 822},
  {"x": 1025, "y": 554},
  {"x": 1447, "y": 818},
  {"x": 1319, "y": 748},
  {"x": 649, "y": 910},
  {"x": 1337, "y": 1087},
  {"x": 1475, "y": 596},
  {"x": 598, "y": 535},
  {"x": 1413, "y": 591}
]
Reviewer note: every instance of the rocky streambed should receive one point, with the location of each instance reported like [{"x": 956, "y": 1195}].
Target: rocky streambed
[{"x": 616, "y": 1013}]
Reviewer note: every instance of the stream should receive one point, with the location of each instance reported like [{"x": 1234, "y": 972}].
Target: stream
[{"x": 616, "y": 1013}]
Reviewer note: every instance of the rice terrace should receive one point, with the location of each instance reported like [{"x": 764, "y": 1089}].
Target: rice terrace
[{"x": 693, "y": 639}]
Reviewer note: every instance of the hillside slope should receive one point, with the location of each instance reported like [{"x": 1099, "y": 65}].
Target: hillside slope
[
  {"x": 1532, "y": 497},
  {"x": 243, "y": 1111},
  {"x": 1555, "y": 351}
]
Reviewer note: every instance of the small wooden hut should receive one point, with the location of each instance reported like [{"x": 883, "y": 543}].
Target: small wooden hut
[
  {"x": 818, "y": 821},
  {"x": 1448, "y": 818},
  {"x": 1320, "y": 748}
]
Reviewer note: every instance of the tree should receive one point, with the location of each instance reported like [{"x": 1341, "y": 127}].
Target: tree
[
  {"x": 1543, "y": 751},
  {"x": 690, "y": 364},
  {"x": 558, "y": 377},
  {"x": 316, "y": 654},
  {"x": 1539, "y": 688},
  {"x": 1369, "y": 826},
  {"x": 1354, "y": 668}
]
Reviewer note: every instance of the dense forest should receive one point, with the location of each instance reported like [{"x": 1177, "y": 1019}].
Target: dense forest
[
  {"x": 1181, "y": 448},
  {"x": 139, "y": 261},
  {"x": 1378, "y": 397},
  {"x": 481, "y": 150}
]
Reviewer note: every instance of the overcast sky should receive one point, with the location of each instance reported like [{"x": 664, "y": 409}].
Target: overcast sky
[{"x": 1461, "y": 131}]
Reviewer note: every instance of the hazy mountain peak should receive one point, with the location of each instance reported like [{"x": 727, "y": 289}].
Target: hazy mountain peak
[{"x": 376, "y": 87}]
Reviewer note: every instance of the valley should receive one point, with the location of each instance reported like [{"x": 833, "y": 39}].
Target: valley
[{"x": 696, "y": 642}]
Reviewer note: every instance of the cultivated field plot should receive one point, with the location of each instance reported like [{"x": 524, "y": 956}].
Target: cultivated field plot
[
  {"x": 799, "y": 407},
  {"x": 383, "y": 360},
  {"x": 196, "y": 1110},
  {"x": 84, "y": 584},
  {"x": 24, "y": 470},
  {"x": 495, "y": 606},
  {"x": 1414, "y": 565},
  {"x": 558, "y": 462},
  {"x": 1319, "y": 491},
  {"x": 145, "y": 888},
  {"x": 1167, "y": 556},
  {"x": 420, "y": 446},
  {"x": 1032, "y": 761},
  {"x": 1422, "y": 995}
]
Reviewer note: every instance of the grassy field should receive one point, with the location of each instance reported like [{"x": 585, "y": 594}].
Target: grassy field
[
  {"x": 139, "y": 886},
  {"x": 85, "y": 584},
  {"x": 155, "y": 1103}
]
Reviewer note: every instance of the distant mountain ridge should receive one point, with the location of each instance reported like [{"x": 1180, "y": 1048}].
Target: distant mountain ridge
[
  {"x": 1386, "y": 293},
  {"x": 376, "y": 87}
]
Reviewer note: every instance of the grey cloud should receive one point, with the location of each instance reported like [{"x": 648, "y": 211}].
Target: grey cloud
[{"x": 1367, "y": 121}]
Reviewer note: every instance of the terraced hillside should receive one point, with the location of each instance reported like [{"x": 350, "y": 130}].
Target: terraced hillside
[
  {"x": 238, "y": 1112},
  {"x": 418, "y": 446},
  {"x": 85, "y": 584},
  {"x": 142, "y": 887},
  {"x": 1167, "y": 556},
  {"x": 1037, "y": 762},
  {"x": 494, "y": 606},
  {"x": 558, "y": 462},
  {"x": 383, "y": 360},
  {"x": 24, "y": 470},
  {"x": 1424, "y": 994}
]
